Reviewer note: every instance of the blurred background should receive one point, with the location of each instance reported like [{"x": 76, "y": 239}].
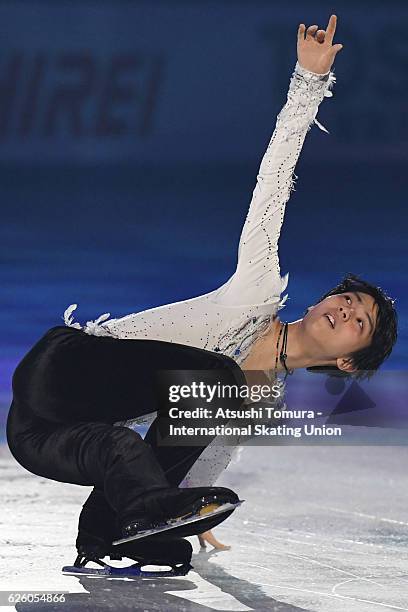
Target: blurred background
[{"x": 130, "y": 138}]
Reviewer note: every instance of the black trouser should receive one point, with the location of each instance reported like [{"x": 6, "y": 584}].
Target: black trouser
[{"x": 68, "y": 391}]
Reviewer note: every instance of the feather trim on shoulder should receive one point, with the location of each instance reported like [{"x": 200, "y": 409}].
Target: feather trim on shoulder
[{"x": 68, "y": 320}]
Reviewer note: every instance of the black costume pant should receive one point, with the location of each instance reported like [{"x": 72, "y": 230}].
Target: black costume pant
[{"x": 70, "y": 389}]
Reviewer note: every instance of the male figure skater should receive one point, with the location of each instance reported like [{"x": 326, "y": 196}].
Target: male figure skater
[{"x": 351, "y": 328}]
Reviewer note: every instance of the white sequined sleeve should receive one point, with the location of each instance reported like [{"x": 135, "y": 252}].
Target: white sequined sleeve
[{"x": 257, "y": 277}]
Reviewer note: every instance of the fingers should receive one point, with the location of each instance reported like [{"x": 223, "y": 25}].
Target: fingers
[
  {"x": 320, "y": 36},
  {"x": 311, "y": 31},
  {"x": 335, "y": 49},
  {"x": 331, "y": 28}
]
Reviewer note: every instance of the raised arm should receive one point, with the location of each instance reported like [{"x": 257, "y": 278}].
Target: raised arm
[{"x": 257, "y": 277}]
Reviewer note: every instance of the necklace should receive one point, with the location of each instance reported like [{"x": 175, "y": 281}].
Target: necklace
[
  {"x": 282, "y": 354},
  {"x": 277, "y": 349}
]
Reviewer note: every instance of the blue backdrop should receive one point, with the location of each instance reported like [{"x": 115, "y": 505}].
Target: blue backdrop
[{"x": 130, "y": 139}]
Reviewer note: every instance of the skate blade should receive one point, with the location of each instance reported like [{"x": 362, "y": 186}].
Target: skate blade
[
  {"x": 123, "y": 572},
  {"x": 203, "y": 514}
]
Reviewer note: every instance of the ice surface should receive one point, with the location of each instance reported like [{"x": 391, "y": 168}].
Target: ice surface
[{"x": 323, "y": 529}]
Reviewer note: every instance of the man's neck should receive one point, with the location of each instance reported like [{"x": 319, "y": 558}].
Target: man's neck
[{"x": 262, "y": 355}]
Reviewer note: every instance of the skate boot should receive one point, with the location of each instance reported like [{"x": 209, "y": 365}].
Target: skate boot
[
  {"x": 172, "y": 555},
  {"x": 185, "y": 511}
]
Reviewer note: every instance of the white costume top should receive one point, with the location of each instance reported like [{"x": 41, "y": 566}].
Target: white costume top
[{"x": 230, "y": 318}]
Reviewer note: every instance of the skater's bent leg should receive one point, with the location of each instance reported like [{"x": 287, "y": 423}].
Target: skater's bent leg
[{"x": 175, "y": 463}]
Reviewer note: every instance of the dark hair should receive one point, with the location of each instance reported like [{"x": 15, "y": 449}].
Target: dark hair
[{"x": 369, "y": 359}]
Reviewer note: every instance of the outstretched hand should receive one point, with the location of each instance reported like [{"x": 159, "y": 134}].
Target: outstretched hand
[{"x": 316, "y": 52}]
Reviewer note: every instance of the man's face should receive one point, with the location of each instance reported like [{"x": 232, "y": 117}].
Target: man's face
[{"x": 342, "y": 324}]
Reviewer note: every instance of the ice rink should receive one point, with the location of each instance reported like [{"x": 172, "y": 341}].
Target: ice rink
[{"x": 323, "y": 529}]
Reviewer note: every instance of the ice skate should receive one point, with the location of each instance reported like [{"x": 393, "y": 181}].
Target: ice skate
[
  {"x": 171, "y": 554},
  {"x": 184, "y": 511}
]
